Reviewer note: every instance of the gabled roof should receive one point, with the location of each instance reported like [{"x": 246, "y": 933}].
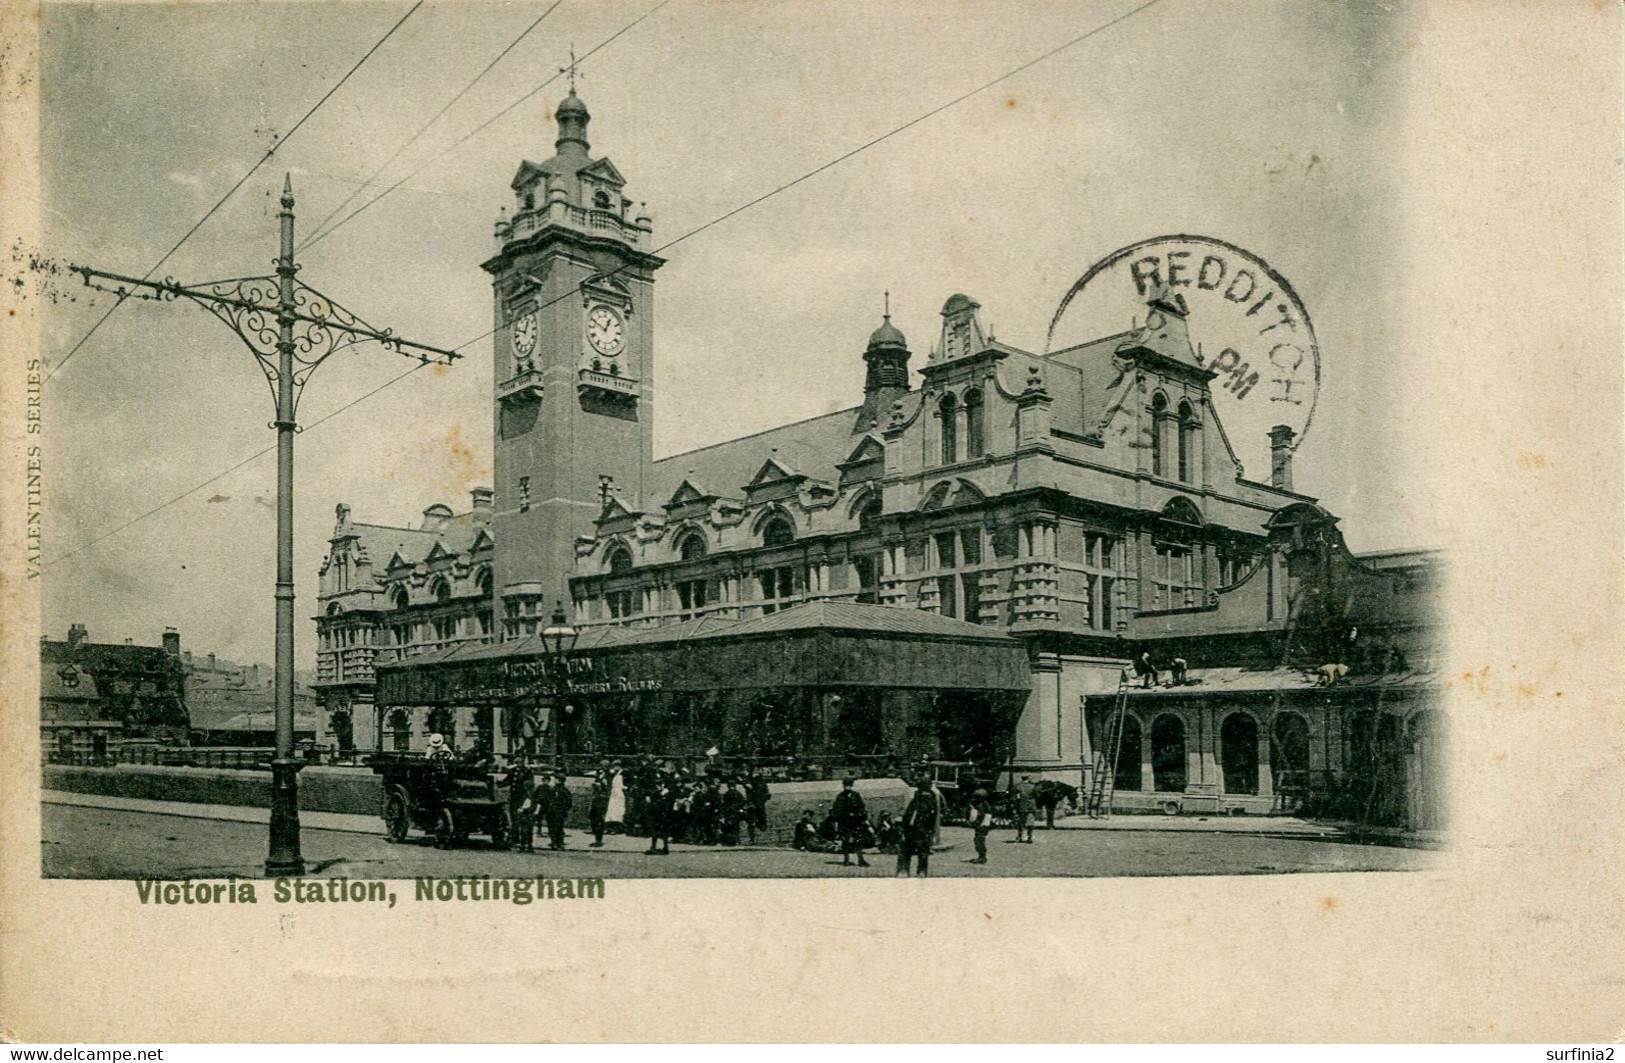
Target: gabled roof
[
  {"x": 813, "y": 448},
  {"x": 604, "y": 170},
  {"x": 772, "y": 471},
  {"x": 689, "y": 493}
]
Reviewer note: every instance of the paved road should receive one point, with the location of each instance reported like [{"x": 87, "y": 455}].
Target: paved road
[{"x": 89, "y": 842}]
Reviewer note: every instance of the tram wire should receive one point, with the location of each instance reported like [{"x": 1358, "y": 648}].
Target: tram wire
[
  {"x": 318, "y": 237},
  {"x": 424, "y": 128},
  {"x": 672, "y": 243},
  {"x": 233, "y": 190}
]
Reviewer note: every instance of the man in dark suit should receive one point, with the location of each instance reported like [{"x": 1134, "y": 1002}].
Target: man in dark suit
[
  {"x": 659, "y": 813},
  {"x": 853, "y": 820},
  {"x": 555, "y": 802},
  {"x": 757, "y": 790},
  {"x": 707, "y": 812},
  {"x": 919, "y": 829},
  {"x": 522, "y": 807},
  {"x": 599, "y": 807},
  {"x": 734, "y": 812}
]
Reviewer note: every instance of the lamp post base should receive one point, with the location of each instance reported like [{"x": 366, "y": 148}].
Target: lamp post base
[{"x": 284, "y": 859}]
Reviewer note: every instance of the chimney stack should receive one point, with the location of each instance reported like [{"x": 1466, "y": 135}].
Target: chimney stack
[
  {"x": 77, "y": 636},
  {"x": 211, "y": 662},
  {"x": 1281, "y": 457},
  {"x": 481, "y": 499},
  {"x": 172, "y": 642}
]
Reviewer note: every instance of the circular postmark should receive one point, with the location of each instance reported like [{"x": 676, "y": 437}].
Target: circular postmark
[{"x": 1246, "y": 324}]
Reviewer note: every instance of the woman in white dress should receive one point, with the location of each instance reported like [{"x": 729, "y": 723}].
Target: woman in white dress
[{"x": 617, "y": 798}]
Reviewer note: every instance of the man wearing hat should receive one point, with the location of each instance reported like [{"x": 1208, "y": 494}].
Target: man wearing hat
[
  {"x": 598, "y": 809},
  {"x": 1024, "y": 806},
  {"x": 437, "y": 749},
  {"x": 852, "y": 819},
  {"x": 555, "y": 801},
  {"x": 522, "y": 807},
  {"x": 734, "y": 811},
  {"x": 919, "y": 829},
  {"x": 981, "y": 821}
]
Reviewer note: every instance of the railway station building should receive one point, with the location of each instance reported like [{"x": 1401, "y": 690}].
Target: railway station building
[{"x": 959, "y": 565}]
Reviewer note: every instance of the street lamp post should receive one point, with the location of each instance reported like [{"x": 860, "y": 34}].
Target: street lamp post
[
  {"x": 559, "y": 636},
  {"x": 290, "y": 328}
]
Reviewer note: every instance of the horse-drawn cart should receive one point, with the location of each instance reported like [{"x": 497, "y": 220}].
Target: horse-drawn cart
[{"x": 446, "y": 798}]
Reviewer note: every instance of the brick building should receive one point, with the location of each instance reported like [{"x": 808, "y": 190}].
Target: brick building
[
  {"x": 1083, "y": 506},
  {"x": 94, "y": 693}
]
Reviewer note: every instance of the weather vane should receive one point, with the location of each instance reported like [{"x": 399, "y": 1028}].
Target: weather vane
[{"x": 571, "y": 70}]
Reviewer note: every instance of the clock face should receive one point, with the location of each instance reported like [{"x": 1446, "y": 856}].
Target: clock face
[
  {"x": 606, "y": 331},
  {"x": 524, "y": 335}
]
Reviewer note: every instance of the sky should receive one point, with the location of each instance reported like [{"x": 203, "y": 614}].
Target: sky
[{"x": 1286, "y": 130}]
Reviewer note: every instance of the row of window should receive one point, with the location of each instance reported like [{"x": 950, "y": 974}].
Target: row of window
[
  {"x": 409, "y": 633},
  {"x": 975, "y": 427},
  {"x": 1187, "y": 443}
]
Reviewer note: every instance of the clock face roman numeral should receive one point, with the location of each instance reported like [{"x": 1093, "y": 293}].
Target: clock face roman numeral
[
  {"x": 606, "y": 331},
  {"x": 524, "y": 335}
]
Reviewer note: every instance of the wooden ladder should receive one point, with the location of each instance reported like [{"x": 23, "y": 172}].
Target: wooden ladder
[{"x": 1099, "y": 804}]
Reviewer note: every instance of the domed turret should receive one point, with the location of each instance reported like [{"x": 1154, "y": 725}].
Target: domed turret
[
  {"x": 572, "y": 117},
  {"x": 887, "y": 379},
  {"x": 887, "y": 335}
]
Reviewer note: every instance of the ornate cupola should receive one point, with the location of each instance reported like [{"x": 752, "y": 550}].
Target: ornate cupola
[
  {"x": 887, "y": 379},
  {"x": 572, "y": 117}
]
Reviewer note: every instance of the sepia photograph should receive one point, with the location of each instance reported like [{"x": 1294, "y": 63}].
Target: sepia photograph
[{"x": 511, "y": 452}]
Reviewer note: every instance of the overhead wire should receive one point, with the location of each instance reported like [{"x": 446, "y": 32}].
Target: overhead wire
[
  {"x": 318, "y": 237},
  {"x": 672, "y": 243},
  {"x": 424, "y": 128},
  {"x": 233, "y": 189}
]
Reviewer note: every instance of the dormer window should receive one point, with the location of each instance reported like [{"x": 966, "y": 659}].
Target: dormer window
[{"x": 530, "y": 200}]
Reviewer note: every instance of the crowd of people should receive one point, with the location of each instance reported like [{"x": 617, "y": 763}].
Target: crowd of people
[{"x": 645, "y": 799}]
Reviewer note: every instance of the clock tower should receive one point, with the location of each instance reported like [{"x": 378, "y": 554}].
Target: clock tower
[{"x": 573, "y": 287}]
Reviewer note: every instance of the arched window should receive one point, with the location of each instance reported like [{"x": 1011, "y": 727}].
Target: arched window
[
  {"x": 620, "y": 561},
  {"x": 400, "y": 728},
  {"x": 692, "y": 548},
  {"x": 483, "y": 582},
  {"x": 1128, "y": 756},
  {"x": 1168, "y": 754},
  {"x": 975, "y": 433},
  {"x": 1238, "y": 753},
  {"x": 600, "y": 199},
  {"x": 947, "y": 411},
  {"x": 1187, "y": 442},
  {"x": 869, "y": 512},
  {"x": 398, "y": 598},
  {"x": 441, "y": 591},
  {"x": 1159, "y": 413},
  {"x": 778, "y": 532}
]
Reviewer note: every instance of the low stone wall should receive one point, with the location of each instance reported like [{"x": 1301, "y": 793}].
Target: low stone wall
[{"x": 357, "y": 791}]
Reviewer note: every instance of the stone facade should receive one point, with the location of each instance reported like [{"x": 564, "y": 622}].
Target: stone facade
[{"x": 1086, "y": 501}]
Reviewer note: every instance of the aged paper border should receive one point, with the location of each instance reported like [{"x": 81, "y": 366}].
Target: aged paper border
[{"x": 1513, "y": 296}]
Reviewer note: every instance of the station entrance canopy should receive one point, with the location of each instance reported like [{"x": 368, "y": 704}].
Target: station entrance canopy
[{"x": 819, "y": 679}]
